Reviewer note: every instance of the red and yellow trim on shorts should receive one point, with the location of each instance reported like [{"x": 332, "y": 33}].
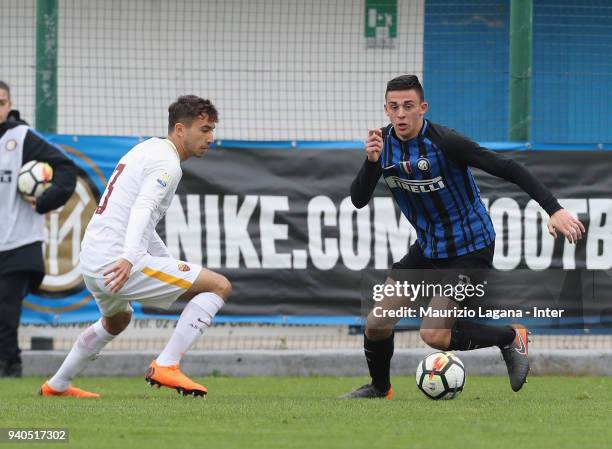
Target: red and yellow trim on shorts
[{"x": 167, "y": 278}]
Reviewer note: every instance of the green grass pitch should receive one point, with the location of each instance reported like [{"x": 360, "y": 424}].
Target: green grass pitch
[{"x": 550, "y": 412}]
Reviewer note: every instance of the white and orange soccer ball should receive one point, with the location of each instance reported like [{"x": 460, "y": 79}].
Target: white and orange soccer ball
[
  {"x": 441, "y": 375},
  {"x": 34, "y": 178}
]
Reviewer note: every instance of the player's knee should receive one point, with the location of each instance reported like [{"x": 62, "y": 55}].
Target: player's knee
[
  {"x": 436, "y": 338},
  {"x": 223, "y": 288},
  {"x": 117, "y": 323},
  {"x": 378, "y": 334},
  {"x": 378, "y": 328}
]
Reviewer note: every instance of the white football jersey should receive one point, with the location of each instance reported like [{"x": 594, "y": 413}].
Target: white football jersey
[{"x": 137, "y": 196}]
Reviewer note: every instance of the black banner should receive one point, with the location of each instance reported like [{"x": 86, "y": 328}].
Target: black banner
[{"x": 281, "y": 226}]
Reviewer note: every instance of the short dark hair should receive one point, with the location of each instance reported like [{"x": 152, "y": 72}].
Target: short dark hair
[
  {"x": 4, "y": 86},
  {"x": 406, "y": 82},
  {"x": 187, "y": 108}
]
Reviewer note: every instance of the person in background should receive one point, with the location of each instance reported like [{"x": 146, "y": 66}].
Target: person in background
[{"x": 23, "y": 228}]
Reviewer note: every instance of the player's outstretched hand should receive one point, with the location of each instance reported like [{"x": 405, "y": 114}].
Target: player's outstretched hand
[
  {"x": 117, "y": 275},
  {"x": 566, "y": 224},
  {"x": 374, "y": 144}
]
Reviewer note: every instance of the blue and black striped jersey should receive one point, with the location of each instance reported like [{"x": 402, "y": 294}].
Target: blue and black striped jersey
[{"x": 430, "y": 180}]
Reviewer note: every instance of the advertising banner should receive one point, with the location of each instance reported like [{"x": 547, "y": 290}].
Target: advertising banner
[{"x": 279, "y": 223}]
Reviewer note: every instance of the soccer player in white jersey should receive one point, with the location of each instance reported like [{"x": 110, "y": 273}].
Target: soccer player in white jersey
[{"x": 123, "y": 259}]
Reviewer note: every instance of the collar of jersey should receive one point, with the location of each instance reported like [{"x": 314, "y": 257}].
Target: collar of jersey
[{"x": 169, "y": 142}]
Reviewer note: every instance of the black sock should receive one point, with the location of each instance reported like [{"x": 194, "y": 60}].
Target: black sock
[
  {"x": 378, "y": 355},
  {"x": 466, "y": 335}
]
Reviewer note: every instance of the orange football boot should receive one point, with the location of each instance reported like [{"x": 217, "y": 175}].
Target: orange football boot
[
  {"x": 71, "y": 391},
  {"x": 171, "y": 377}
]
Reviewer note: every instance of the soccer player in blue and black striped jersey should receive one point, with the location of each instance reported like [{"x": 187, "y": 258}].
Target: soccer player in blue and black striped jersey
[{"x": 426, "y": 167}]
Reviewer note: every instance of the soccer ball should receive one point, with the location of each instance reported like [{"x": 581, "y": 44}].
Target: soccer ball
[
  {"x": 441, "y": 375},
  {"x": 34, "y": 178}
]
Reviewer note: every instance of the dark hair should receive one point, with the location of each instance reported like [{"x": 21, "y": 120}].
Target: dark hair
[
  {"x": 4, "y": 86},
  {"x": 189, "y": 107},
  {"x": 406, "y": 82}
]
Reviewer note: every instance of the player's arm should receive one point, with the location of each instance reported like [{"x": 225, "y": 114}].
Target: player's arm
[
  {"x": 362, "y": 187},
  {"x": 157, "y": 247},
  {"x": 470, "y": 153},
  {"x": 159, "y": 179},
  {"x": 35, "y": 148}
]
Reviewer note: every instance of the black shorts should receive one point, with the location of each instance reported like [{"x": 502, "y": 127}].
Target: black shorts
[
  {"x": 470, "y": 268},
  {"x": 415, "y": 260}
]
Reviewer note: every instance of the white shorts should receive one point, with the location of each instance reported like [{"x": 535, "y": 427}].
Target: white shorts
[{"x": 157, "y": 282}]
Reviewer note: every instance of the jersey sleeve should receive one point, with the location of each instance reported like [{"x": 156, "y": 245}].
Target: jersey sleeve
[
  {"x": 160, "y": 179},
  {"x": 364, "y": 184},
  {"x": 157, "y": 247},
  {"x": 35, "y": 148},
  {"x": 465, "y": 152}
]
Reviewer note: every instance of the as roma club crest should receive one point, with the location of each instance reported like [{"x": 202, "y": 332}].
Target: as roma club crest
[{"x": 183, "y": 267}]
